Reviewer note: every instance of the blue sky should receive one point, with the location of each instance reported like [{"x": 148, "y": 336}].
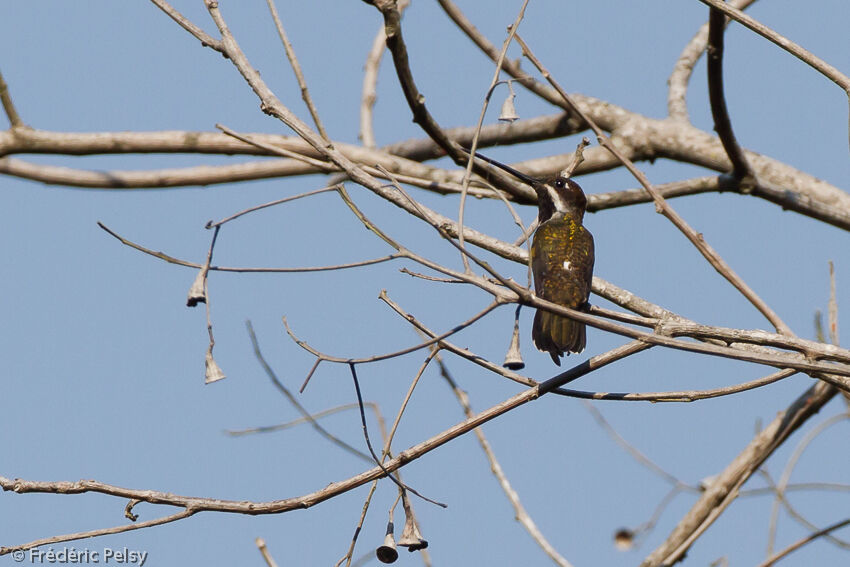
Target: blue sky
[{"x": 103, "y": 363}]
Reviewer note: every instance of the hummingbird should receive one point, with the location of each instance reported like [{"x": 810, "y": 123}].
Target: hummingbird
[{"x": 561, "y": 260}]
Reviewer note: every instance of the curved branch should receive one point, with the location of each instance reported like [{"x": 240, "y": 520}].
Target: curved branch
[
  {"x": 677, "y": 106},
  {"x": 720, "y": 113}
]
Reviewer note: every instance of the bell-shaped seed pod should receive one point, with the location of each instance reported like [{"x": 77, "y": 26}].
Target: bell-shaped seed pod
[
  {"x": 513, "y": 359},
  {"x": 508, "y": 113},
  {"x": 387, "y": 552}
]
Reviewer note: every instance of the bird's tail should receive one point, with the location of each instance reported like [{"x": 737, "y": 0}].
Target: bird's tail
[{"x": 557, "y": 334}]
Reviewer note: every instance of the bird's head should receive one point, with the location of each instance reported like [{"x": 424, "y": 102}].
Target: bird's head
[{"x": 560, "y": 195}]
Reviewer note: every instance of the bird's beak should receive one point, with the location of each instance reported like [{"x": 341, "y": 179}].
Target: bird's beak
[{"x": 518, "y": 174}]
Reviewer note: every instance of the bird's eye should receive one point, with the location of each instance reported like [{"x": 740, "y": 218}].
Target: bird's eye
[{"x": 559, "y": 182}]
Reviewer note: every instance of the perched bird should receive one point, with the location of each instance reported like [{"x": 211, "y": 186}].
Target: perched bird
[{"x": 561, "y": 261}]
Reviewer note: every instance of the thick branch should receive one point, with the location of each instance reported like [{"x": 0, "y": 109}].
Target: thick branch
[{"x": 725, "y": 486}]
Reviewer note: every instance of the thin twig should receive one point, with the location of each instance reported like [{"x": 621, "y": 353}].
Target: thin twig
[
  {"x": 520, "y": 512},
  {"x": 389, "y": 439},
  {"x": 255, "y": 208},
  {"x": 186, "y": 263},
  {"x": 639, "y": 533},
  {"x": 366, "y": 503},
  {"x": 296, "y": 68},
  {"x": 785, "y": 478},
  {"x": 97, "y": 533},
  {"x": 677, "y": 107},
  {"x": 370, "y": 81},
  {"x": 267, "y": 557},
  {"x": 321, "y": 165},
  {"x": 797, "y": 51},
  {"x": 350, "y": 552},
  {"x": 726, "y": 485},
  {"x": 205, "y": 39},
  {"x": 369, "y": 90},
  {"x": 9, "y": 106},
  {"x": 808, "y": 539},
  {"x": 378, "y": 461},
  {"x": 636, "y": 454},
  {"x": 379, "y": 357},
  {"x": 416, "y": 100},
  {"x": 474, "y": 147},
  {"x": 294, "y": 401},
  {"x": 833, "y": 307},
  {"x": 295, "y": 422}
]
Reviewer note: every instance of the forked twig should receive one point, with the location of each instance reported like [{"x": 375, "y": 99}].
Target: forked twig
[
  {"x": 378, "y": 461},
  {"x": 294, "y": 401}
]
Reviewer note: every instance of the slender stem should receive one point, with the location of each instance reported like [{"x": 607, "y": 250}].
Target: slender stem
[
  {"x": 296, "y": 68},
  {"x": 474, "y": 146},
  {"x": 808, "y": 539}
]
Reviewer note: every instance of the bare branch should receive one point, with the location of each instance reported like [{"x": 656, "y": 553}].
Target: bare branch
[
  {"x": 636, "y": 454},
  {"x": 370, "y": 81},
  {"x": 644, "y": 138},
  {"x": 205, "y": 39},
  {"x": 379, "y": 357},
  {"x": 281, "y": 426},
  {"x": 296, "y": 68},
  {"x": 677, "y": 107},
  {"x": 179, "y": 262},
  {"x": 722, "y": 123},
  {"x": 797, "y": 51},
  {"x": 403, "y": 487},
  {"x": 9, "y": 106},
  {"x": 833, "y": 307},
  {"x": 808, "y": 539},
  {"x": 725, "y": 486},
  {"x": 786, "y": 477},
  {"x": 92, "y": 533},
  {"x": 520, "y": 512},
  {"x": 294, "y": 401},
  {"x": 416, "y": 100},
  {"x": 267, "y": 557}
]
